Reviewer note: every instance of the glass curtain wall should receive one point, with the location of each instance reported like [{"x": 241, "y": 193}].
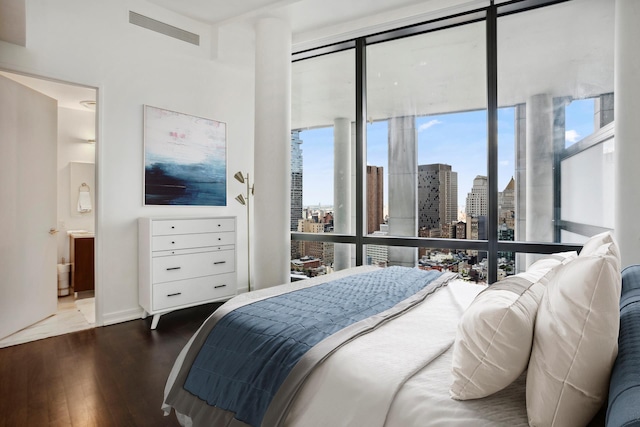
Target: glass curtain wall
[
  {"x": 322, "y": 165},
  {"x": 557, "y": 76},
  {"x": 427, "y": 139},
  {"x": 477, "y": 133}
]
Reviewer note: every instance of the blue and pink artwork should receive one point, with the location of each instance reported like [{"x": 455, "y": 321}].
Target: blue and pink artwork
[{"x": 184, "y": 159}]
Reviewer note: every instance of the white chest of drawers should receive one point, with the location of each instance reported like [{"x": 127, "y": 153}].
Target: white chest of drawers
[{"x": 185, "y": 262}]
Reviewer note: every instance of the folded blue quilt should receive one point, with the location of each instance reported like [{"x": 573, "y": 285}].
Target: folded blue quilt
[{"x": 251, "y": 350}]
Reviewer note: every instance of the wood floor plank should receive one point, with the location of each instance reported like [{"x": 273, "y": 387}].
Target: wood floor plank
[{"x": 109, "y": 376}]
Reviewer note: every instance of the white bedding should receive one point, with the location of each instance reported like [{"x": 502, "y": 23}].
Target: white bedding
[{"x": 398, "y": 375}]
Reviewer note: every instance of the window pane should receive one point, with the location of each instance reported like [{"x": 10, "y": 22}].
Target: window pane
[
  {"x": 555, "y": 72},
  {"x": 579, "y": 118},
  {"x": 427, "y": 136},
  {"x": 318, "y": 258},
  {"x": 470, "y": 264},
  {"x": 587, "y": 177},
  {"x": 322, "y": 154}
]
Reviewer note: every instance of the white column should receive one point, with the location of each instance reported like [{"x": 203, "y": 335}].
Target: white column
[
  {"x": 403, "y": 188},
  {"x": 272, "y": 153},
  {"x": 342, "y": 190},
  {"x": 627, "y": 130},
  {"x": 539, "y": 174},
  {"x": 520, "y": 149}
]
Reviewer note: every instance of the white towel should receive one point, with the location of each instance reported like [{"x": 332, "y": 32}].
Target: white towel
[{"x": 84, "y": 201}]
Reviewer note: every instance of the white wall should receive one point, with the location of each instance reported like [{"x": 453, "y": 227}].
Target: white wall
[{"x": 92, "y": 43}]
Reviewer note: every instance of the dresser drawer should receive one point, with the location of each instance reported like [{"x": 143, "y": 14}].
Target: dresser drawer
[
  {"x": 185, "y": 241},
  {"x": 180, "y": 267},
  {"x": 186, "y": 292},
  {"x": 192, "y": 226}
]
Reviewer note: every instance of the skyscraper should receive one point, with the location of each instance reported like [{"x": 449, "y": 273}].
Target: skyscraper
[
  {"x": 507, "y": 205},
  {"x": 478, "y": 197},
  {"x": 437, "y": 196},
  {"x": 375, "y": 194},
  {"x": 296, "y": 179}
]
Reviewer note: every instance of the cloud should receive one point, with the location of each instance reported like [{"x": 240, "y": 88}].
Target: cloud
[
  {"x": 571, "y": 136},
  {"x": 427, "y": 125},
  {"x": 504, "y": 162}
]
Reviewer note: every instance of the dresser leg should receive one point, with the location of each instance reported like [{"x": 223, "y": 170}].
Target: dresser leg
[
  {"x": 144, "y": 314},
  {"x": 154, "y": 322}
]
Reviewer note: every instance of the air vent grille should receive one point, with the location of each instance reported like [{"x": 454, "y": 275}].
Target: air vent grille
[{"x": 162, "y": 28}]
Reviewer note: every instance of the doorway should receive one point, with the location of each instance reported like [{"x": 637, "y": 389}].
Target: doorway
[{"x": 73, "y": 274}]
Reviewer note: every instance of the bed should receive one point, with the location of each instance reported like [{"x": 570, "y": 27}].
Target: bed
[{"x": 398, "y": 364}]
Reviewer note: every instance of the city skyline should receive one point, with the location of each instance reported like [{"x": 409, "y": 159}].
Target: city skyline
[{"x": 456, "y": 139}]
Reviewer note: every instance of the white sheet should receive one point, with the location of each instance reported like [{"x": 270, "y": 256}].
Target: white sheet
[{"x": 400, "y": 375}]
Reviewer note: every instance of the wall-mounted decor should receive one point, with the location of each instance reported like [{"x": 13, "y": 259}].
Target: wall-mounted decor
[
  {"x": 185, "y": 159},
  {"x": 81, "y": 191}
]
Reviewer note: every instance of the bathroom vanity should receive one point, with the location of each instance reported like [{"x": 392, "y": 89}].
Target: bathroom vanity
[{"x": 81, "y": 255}]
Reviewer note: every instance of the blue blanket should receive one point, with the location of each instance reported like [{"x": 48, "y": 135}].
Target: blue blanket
[{"x": 251, "y": 350}]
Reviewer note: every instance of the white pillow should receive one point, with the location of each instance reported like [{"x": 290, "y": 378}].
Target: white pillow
[
  {"x": 575, "y": 340},
  {"x": 494, "y": 336},
  {"x": 599, "y": 242}
]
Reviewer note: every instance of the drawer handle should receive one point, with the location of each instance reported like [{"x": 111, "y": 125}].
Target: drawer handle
[
  {"x": 174, "y": 268},
  {"x": 219, "y": 238},
  {"x": 174, "y": 295},
  {"x": 172, "y": 227},
  {"x": 219, "y": 286},
  {"x": 219, "y": 262},
  {"x": 173, "y": 243}
]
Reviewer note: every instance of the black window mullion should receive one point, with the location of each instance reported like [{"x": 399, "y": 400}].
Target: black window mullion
[
  {"x": 492, "y": 143},
  {"x": 361, "y": 134}
]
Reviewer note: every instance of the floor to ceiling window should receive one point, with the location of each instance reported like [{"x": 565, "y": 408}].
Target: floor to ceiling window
[
  {"x": 460, "y": 143},
  {"x": 555, "y": 67},
  {"x": 430, "y": 91},
  {"x": 322, "y": 165}
]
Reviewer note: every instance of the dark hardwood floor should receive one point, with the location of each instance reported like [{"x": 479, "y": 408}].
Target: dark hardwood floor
[{"x": 108, "y": 376}]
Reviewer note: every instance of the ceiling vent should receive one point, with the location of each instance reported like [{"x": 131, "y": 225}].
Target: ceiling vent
[{"x": 161, "y": 27}]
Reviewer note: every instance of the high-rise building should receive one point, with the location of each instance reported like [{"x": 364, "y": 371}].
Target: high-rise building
[
  {"x": 461, "y": 230},
  {"x": 375, "y": 198},
  {"x": 507, "y": 205},
  {"x": 437, "y": 196},
  {"x": 505, "y": 233},
  {"x": 321, "y": 250},
  {"x": 477, "y": 199},
  {"x": 378, "y": 255},
  {"x": 296, "y": 179}
]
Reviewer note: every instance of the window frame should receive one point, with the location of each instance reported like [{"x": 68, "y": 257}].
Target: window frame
[{"x": 492, "y": 245}]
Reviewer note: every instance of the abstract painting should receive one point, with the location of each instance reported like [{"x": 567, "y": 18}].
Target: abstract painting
[{"x": 184, "y": 159}]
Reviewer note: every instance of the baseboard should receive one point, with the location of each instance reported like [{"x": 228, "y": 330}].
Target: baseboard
[{"x": 121, "y": 316}]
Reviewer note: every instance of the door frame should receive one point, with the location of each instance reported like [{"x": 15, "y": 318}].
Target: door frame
[{"x": 98, "y": 173}]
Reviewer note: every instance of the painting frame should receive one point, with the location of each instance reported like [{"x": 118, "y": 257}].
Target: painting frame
[{"x": 185, "y": 159}]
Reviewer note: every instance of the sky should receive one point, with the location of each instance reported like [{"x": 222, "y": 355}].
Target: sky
[{"x": 457, "y": 139}]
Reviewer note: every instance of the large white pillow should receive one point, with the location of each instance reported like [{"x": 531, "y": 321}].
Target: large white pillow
[
  {"x": 600, "y": 243},
  {"x": 493, "y": 341},
  {"x": 575, "y": 340}
]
